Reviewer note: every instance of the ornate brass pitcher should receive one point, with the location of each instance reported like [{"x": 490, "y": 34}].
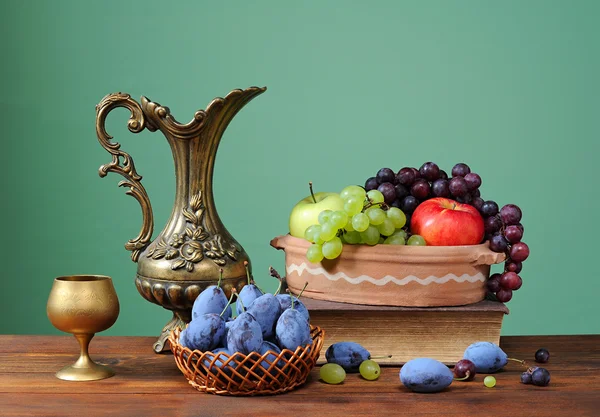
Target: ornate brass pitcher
[{"x": 186, "y": 256}]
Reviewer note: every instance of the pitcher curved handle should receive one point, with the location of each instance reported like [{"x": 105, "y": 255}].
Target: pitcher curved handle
[{"x": 122, "y": 163}]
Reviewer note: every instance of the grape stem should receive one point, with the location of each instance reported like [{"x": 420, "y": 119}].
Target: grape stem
[
  {"x": 467, "y": 375},
  {"x": 380, "y": 357},
  {"x": 312, "y": 194},
  {"x": 233, "y": 292},
  {"x": 381, "y": 204}
]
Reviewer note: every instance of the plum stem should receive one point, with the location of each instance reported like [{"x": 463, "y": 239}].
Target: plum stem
[
  {"x": 380, "y": 357},
  {"x": 247, "y": 272},
  {"x": 220, "y": 278},
  {"x": 522, "y": 362},
  {"x": 233, "y": 292},
  {"x": 312, "y": 194},
  {"x": 302, "y": 292},
  {"x": 276, "y": 275}
]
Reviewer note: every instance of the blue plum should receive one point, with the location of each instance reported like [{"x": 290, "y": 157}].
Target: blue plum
[
  {"x": 266, "y": 347},
  {"x": 245, "y": 334},
  {"x": 285, "y": 301},
  {"x": 349, "y": 355},
  {"x": 228, "y": 325},
  {"x": 487, "y": 357},
  {"x": 183, "y": 339},
  {"x": 425, "y": 375},
  {"x": 211, "y": 300},
  {"x": 205, "y": 332},
  {"x": 292, "y": 330},
  {"x": 246, "y": 297},
  {"x": 266, "y": 310}
]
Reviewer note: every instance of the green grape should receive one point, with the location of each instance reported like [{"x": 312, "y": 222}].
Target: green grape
[
  {"x": 339, "y": 219},
  {"x": 395, "y": 240},
  {"x": 316, "y": 234},
  {"x": 376, "y": 215},
  {"x": 381, "y": 240},
  {"x": 324, "y": 216},
  {"x": 360, "y": 222},
  {"x": 333, "y": 248},
  {"x": 309, "y": 233},
  {"x": 352, "y": 238},
  {"x": 397, "y": 216},
  {"x": 349, "y": 227},
  {"x": 370, "y": 236},
  {"x": 328, "y": 231},
  {"x": 353, "y": 191},
  {"x": 416, "y": 240},
  {"x": 353, "y": 205},
  {"x": 375, "y": 196},
  {"x": 314, "y": 253},
  {"x": 332, "y": 373},
  {"x": 387, "y": 227},
  {"x": 489, "y": 381},
  {"x": 369, "y": 370},
  {"x": 401, "y": 232}
]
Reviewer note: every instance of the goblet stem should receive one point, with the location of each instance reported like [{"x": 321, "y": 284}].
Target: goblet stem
[{"x": 84, "y": 360}]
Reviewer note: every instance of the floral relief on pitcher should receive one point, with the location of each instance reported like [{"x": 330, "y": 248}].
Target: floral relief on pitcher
[{"x": 194, "y": 244}]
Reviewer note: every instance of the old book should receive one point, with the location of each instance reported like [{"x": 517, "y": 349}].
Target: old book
[{"x": 441, "y": 333}]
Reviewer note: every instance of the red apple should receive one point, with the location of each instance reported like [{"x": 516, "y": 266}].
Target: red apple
[{"x": 445, "y": 222}]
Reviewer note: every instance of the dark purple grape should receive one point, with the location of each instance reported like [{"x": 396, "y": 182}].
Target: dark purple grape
[
  {"x": 417, "y": 173},
  {"x": 510, "y": 214},
  {"x": 492, "y": 224},
  {"x": 406, "y": 177},
  {"x": 493, "y": 284},
  {"x": 430, "y": 171},
  {"x": 397, "y": 203},
  {"x": 443, "y": 175},
  {"x": 408, "y": 217},
  {"x": 409, "y": 204},
  {"x": 519, "y": 252},
  {"x": 389, "y": 192},
  {"x": 510, "y": 281},
  {"x": 420, "y": 189},
  {"x": 465, "y": 370},
  {"x": 525, "y": 378},
  {"x": 458, "y": 187},
  {"x": 473, "y": 181},
  {"x": 476, "y": 193},
  {"x": 439, "y": 188},
  {"x": 465, "y": 199},
  {"x": 504, "y": 296},
  {"x": 542, "y": 355},
  {"x": 460, "y": 170},
  {"x": 511, "y": 266},
  {"x": 498, "y": 243},
  {"x": 489, "y": 208},
  {"x": 477, "y": 202},
  {"x": 540, "y": 377},
  {"x": 520, "y": 226},
  {"x": 371, "y": 184},
  {"x": 513, "y": 234},
  {"x": 385, "y": 175},
  {"x": 401, "y": 191}
]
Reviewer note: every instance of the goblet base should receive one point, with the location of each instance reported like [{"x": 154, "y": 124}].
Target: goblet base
[{"x": 91, "y": 372}]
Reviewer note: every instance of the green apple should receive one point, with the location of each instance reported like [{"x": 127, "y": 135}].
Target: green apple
[{"x": 306, "y": 212}]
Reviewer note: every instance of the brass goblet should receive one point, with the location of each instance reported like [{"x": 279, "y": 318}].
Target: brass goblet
[{"x": 83, "y": 305}]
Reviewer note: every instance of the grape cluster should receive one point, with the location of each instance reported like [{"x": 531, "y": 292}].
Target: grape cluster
[
  {"x": 407, "y": 188},
  {"x": 365, "y": 219}
]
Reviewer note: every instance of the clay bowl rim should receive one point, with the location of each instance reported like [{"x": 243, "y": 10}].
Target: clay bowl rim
[{"x": 479, "y": 254}]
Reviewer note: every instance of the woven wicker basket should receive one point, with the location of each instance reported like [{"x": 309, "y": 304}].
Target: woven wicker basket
[{"x": 245, "y": 375}]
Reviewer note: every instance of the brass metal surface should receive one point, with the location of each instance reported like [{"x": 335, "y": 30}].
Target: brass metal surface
[
  {"x": 187, "y": 254},
  {"x": 83, "y": 305}
]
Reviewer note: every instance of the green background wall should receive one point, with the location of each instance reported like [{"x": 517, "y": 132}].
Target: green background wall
[{"x": 509, "y": 87}]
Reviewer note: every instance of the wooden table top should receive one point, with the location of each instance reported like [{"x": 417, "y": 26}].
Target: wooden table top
[{"x": 148, "y": 384}]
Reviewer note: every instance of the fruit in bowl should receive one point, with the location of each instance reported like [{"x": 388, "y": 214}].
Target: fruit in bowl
[{"x": 412, "y": 207}]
